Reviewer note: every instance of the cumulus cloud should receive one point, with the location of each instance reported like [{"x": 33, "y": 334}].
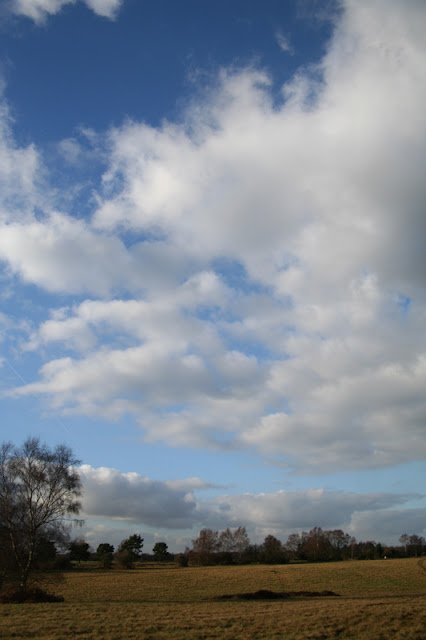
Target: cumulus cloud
[
  {"x": 62, "y": 254},
  {"x": 132, "y": 497},
  {"x": 276, "y": 266},
  {"x": 39, "y": 10},
  {"x": 20, "y": 173},
  {"x": 115, "y": 497}
]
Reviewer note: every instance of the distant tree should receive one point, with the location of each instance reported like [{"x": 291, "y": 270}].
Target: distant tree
[
  {"x": 232, "y": 545},
  {"x": 390, "y": 551},
  {"x": 413, "y": 544},
  {"x": 105, "y": 553},
  {"x": 39, "y": 490},
  {"x": 205, "y": 545},
  {"x": 226, "y": 541},
  {"x": 79, "y": 550},
  {"x": 316, "y": 546},
  {"x": 340, "y": 544},
  {"x": 404, "y": 540},
  {"x": 417, "y": 544},
  {"x": 319, "y": 545},
  {"x": 368, "y": 550},
  {"x": 160, "y": 552},
  {"x": 182, "y": 559},
  {"x": 241, "y": 541},
  {"x": 124, "y": 558},
  {"x": 272, "y": 551},
  {"x": 292, "y": 546},
  {"x": 103, "y": 548},
  {"x": 253, "y": 553},
  {"x": 133, "y": 545}
]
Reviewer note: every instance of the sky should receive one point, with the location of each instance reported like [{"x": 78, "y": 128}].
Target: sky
[{"x": 212, "y": 261}]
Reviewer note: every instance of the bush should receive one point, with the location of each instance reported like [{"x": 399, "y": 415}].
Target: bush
[
  {"x": 62, "y": 562},
  {"x": 31, "y": 594},
  {"x": 105, "y": 560},
  {"x": 125, "y": 559},
  {"x": 224, "y": 558},
  {"x": 182, "y": 560}
]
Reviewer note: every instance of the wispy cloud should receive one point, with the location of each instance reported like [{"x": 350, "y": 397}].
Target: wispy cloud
[
  {"x": 284, "y": 42},
  {"x": 39, "y": 10}
]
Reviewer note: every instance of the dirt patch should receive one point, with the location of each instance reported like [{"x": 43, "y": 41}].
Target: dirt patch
[
  {"x": 265, "y": 594},
  {"x": 35, "y": 594}
]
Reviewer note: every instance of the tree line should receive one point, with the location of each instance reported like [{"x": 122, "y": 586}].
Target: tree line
[
  {"x": 127, "y": 554},
  {"x": 316, "y": 545},
  {"x": 233, "y": 546}
]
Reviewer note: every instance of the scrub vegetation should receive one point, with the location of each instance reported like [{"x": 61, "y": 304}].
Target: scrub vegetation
[{"x": 378, "y": 599}]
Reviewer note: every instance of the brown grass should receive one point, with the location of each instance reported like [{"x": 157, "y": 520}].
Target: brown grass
[{"x": 380, "y": 600}]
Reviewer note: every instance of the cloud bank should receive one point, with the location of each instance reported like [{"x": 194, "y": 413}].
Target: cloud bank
[
  {"x": 252, "y": 276},
  {"x": 117, "y": 499}
]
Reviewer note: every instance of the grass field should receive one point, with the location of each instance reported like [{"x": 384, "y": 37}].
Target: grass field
[{"x": 383, "y": 599}]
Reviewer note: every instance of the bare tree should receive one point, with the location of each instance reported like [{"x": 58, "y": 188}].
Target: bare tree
[
  {"x": 236, "y": 541},
  {"x": 241, "y": 541},
  {"x": 226, "y": 541},
  {"x": 205, "y": 545},
  {"x": 39, "y": 489}
]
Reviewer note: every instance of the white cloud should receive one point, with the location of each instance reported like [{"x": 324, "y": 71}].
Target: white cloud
[
  {"x": 273, "y": 187},
  {"x": 106, "y": 8},
  {"x": 38, "y": 10},
  {"x": 310, "y": 342},
  {"x": 63, "y": 254},
  {"x": 20, "y": 172}
]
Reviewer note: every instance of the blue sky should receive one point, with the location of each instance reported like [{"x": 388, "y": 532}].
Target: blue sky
[{"x": 212, "y": 260}]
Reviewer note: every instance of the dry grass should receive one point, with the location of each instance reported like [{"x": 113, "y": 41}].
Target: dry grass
[{"x": 380, "y": 600}]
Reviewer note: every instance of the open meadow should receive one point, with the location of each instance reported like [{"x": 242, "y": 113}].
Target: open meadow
[{"x": 381, "y": 599}]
